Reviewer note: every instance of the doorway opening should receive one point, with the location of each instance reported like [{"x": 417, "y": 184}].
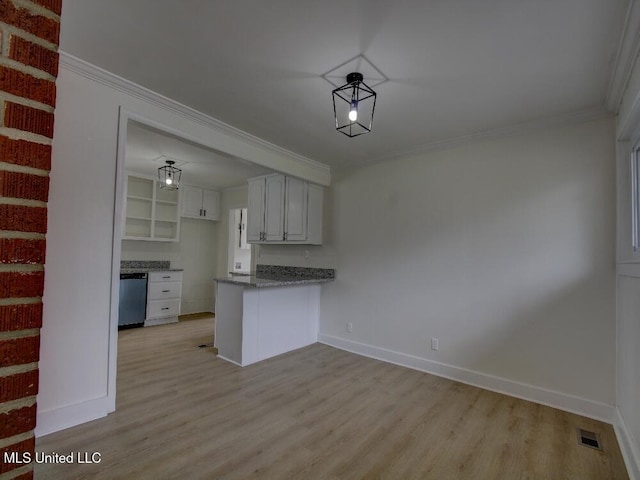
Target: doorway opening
[{"x": 239, "y": 250}]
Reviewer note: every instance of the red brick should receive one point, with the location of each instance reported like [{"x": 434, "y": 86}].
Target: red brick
[
  {"x": 21, "y": 218},
  {"x": 24, "y": 476},
  {"x": 20, "y": 385},
  {"x": 25, "y": 153},
  {"x": 24, "y": 185},
  {"x": 34, "y": 55},
  {"x": 20, "y": 317},
  {"x": 54, "y": 5},
  {"x": 21, "y": 284},
  {"x": 27, "y": 86},
  {"x": 18, "y": 351},
  {"x": 28, "y": 119},
  {"x": 38, "y": 25},
  {"x": 26, "y": 446},
  {"x": 20, "y": 250},
  {"x": 17, "y": 421}
]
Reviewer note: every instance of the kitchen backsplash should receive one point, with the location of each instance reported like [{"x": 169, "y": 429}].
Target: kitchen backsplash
[{"x": 145, "y": 264}]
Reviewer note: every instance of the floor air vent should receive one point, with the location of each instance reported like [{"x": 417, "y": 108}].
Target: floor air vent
[{"x": 589, "y": 439}]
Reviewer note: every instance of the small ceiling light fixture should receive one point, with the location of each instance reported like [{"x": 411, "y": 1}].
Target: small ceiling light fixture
[
  {"x": 353, "y": 106},
  {"x": 169, "y": 176}
]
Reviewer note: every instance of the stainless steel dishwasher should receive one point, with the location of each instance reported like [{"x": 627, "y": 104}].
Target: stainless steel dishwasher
[{"x": 132, "y": 307}]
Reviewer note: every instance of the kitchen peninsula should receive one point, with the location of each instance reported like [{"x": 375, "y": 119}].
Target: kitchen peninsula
[{"x": 272, "y": 312}]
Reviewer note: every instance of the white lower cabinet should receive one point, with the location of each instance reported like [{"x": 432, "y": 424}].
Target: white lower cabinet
[
  {"x": 163, "y": 308},
  {"x": 164, "y": 292},
  {"x": 253, "y": 324}
]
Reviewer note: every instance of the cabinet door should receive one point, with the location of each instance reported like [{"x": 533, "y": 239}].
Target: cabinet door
[
  {"x": 210, "y": 204},
  {"x": 191, "y": 201},
  {"x": 295, "y": 219},
  {"x": 163, "y": 308},
  {"x": 274, "y": 208},
  {"x": 165, "y": 276},
  {"x": 164, "y": 290},
  {"x": 255, "y": 210}
]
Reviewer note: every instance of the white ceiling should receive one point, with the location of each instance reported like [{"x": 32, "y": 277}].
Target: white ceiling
[
  {"x": 455, "y": 68},
  {"x": 147, "y": 147}
]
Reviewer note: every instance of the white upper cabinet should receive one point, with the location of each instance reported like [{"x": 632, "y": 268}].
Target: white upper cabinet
[
  {"x": 274, "y": 208},
  {"x": 255, "y": 210},
  {"x": 191, "y": 205},
  {"x": 295, "y": 220},
  {"x": 284, "y": 210},
  {"x": 150, "y": 212},
  {"x": 211, "y": 204},
  {"x": 198, "y": 202}
]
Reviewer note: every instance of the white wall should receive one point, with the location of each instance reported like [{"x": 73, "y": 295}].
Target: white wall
[
  {"x": 503, "y": 249},
  {"x": 628, "y": 292},
  {"x": 78, "y": 338},
  {"x": 74, "y": 346},
  {"x": 628, "y": 393},
  {"x": 196, "y": 253}
]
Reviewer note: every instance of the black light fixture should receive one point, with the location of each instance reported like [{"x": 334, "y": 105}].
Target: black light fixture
[
  {"x": 169, "y": 176},
  {"x": 353, "y": 106}
]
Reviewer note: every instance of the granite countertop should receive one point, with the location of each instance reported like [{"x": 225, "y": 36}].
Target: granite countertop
[
  {"x": 145, "y": 266},
  {"x": 277, "y": 276},
  {"x": 147, "y": 270},
  {"x": 255, "y": 281}
]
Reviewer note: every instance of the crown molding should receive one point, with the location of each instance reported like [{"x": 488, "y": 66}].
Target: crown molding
[
  {"x": 575, "y": 117},
  {"x": 628, "y": 50},
  {"x": 233, "y": 189},
  {"x": 116, "y": 82}
]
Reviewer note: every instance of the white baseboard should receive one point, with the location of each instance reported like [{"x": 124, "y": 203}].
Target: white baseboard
[
  {"x": 628, "y": 446},
  {"x": 562, "y": 401},
  {"x": 222, "y": 357},
  {"x": 152, "y": 322},
  {"x": 60, "y": 418}
]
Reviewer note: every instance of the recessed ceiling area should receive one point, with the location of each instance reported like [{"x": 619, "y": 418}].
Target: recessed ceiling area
[
  {"x": 454, "y": 68},
  {"x": 200, "y": 166}
]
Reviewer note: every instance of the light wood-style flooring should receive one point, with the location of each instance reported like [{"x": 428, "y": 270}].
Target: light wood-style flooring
[{"x": 316, "y": 413}]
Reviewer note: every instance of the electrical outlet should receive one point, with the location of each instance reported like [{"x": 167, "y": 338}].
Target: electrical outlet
[
  {"x": 349, "y": 327},
  {"x": 306, "y": 254},
  {"x": 435, "y": 344}
]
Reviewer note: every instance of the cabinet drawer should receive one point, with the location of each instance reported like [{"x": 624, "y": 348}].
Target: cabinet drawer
[
  {"x": 163, "y": 308},
  {"x": 165, "y": 277},
  {"x": 161, "y": 290}
]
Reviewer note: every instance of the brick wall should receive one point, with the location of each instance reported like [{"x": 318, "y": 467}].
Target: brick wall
[{"x": 29, "y": 31}]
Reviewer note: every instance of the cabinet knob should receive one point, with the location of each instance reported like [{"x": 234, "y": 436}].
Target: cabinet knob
[
  {"x": 165, "y": 308},
  {"x": 166, "y": 291}
]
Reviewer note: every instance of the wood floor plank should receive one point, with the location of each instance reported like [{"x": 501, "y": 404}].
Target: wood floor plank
[{"x": 316, "y": 413}]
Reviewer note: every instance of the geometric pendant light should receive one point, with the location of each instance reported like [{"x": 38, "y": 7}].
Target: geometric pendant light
[
  {"x": 353, "y": 106},
  {"x": 169, "y": 176}
]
